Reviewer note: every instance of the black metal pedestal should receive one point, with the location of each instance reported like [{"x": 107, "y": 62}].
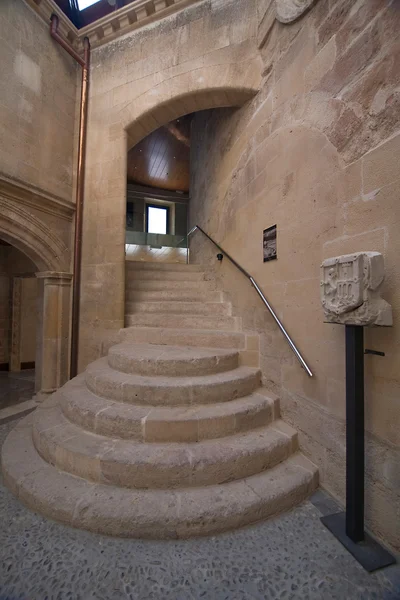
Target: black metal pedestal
[{"x": 348, "y": 527}]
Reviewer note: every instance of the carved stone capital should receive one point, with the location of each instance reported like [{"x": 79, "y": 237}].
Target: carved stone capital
[
  {"x": 55, "y": 278},
  {"x": 350, "y": 290}
]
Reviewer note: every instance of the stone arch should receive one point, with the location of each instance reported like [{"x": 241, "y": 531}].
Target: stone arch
[
  {"x": 217, "y": 86},
  {"x": 30, "y": 235},
  {"x": 166, "y": 95},
  {"x": 33, "y": 237}
]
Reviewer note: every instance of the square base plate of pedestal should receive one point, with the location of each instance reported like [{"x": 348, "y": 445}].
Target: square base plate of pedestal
[{"x": 368, "y": 553}]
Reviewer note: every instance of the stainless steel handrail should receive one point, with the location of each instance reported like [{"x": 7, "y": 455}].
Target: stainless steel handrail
[{"x": 263, "y": 298}]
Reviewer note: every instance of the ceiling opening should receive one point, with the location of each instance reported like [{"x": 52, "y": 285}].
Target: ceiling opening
[{"x": 85, "y": 3}]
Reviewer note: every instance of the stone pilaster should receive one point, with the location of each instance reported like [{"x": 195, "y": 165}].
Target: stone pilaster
[
  {"x": 52, "y": 353},
  {"x": 15, "y": 350}
]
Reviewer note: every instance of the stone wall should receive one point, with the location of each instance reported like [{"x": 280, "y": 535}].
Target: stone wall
[
  {"x": 38, "y": 124},
  {"x": 37, "y": 102},
  {"x": 316, "y": 153}
]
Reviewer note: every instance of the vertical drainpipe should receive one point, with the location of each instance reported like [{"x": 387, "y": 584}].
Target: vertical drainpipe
[{"x": 80, "y": 185}]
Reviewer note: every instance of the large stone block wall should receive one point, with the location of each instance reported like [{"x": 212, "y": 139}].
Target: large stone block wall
[
  {"x": 316, "y": 153},
  {"x": 201, "y": 57},
  {"x": 37, "y": 102}
]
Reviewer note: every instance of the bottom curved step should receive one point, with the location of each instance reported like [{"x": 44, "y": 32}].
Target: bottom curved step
[{"x": 152, "y": 514}]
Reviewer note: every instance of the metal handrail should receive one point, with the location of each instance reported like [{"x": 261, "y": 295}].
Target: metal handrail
[{"x": 263, "y": 298}]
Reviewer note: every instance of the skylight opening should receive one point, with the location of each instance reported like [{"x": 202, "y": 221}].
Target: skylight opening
[{"x": 85, "y": 3}]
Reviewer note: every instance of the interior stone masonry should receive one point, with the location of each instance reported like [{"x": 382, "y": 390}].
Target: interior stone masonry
[{"x": 297, "y": 125}]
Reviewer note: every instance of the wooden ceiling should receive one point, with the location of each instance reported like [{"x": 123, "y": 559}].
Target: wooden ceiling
[{"x": 162, "y": 159}]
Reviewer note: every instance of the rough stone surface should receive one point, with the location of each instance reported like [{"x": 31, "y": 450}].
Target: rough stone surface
[
  {"x": 38, "y": 104},
  {"x": 290, "y": 557},
  {"x": 350, "y": 290},
  {"x": 159, "y": 441},
  {"x": 290, "y": 10},
  {"x": 313, "y": 153}
]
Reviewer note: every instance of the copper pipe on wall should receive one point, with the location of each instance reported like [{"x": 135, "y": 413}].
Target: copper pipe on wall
[{"x": 80, "y": 185}]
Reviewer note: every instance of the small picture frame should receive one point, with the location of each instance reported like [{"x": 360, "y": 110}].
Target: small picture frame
[{"x": 269, "y": 243}]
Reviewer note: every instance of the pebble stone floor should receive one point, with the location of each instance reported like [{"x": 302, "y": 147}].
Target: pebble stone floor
[{"x": 291, "y": 557}]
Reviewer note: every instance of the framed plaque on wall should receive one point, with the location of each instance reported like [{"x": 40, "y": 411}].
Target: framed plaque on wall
[{"x": 269, "y": 243}]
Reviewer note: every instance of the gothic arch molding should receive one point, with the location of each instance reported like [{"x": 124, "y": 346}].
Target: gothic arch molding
[{"x": 30, "y": 235}]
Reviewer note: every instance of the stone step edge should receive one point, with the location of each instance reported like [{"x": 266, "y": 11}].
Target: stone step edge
[
  {"x": 144, "y": 423},
  {"x": 178, "y": 277},
  {"x": 168, "y": 320},
  {"x": 136, "y": 283},
  {"x": 158, "y": 465},
  {"x": 161, "y": 266},
  {"x": 104, "y": 381},
  {"x": 205, "y": 297},
  {"x": 180, "y": 307},
  {"x": 131, "y": 358},
  {"x": 150, "y": 514},
  {"x": 226, "y": 339}
]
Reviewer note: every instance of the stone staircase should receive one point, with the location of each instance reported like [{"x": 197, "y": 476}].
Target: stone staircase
[{"x": 170, "y": 435}]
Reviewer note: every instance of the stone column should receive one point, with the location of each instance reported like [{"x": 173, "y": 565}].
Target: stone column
[
  {"x": 4, "y": 317},
  {"x": 53, "y": 333},
  {"x": 15, "y": 347}
]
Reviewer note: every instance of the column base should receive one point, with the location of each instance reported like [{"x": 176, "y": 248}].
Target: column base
[{"x": 41, "y": 396}]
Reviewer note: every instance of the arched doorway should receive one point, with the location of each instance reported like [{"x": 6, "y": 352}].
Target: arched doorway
[
  {"x": 112, "y": 132},
  {"x": 18, "y": 326},
  {"x": 48, "y": 260}
]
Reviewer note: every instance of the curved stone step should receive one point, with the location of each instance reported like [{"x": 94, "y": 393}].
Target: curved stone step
[
  {"x": 179, "y": 307},
  {"x": 158, "y": 466},
  {"x": 153, "y": 514},
  {"x": 188, "y": 321},
  {"x": 207, "y": 338},
  {"x": 170, "y": 424},
  {"x": 106, "y": 382},
  {"x": 171, "y": 361}
]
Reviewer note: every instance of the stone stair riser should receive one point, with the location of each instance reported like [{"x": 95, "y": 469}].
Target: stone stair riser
[
  {"x": 179, "y": 308},
  {"x": 183, "y": 337},
  {"x": 147, "y": 424},
  {"x": 155, "y": 466},
  {"x": 184, "y": 321},
  {"x": 162, "y": 276},
  {"x": 178, "y": 367},
  {"x": 133, "y": 295},
  {"x": 158, "y": 514},
  {"x": 171, "y": 395},
  {"x": 133, "y": 266},
  {"x": 158, "y": 285}
]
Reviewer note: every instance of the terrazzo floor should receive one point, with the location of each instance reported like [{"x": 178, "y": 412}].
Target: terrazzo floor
[
  {"x": 291, "y": 557},
  {"x": 16, "y": 387}
]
